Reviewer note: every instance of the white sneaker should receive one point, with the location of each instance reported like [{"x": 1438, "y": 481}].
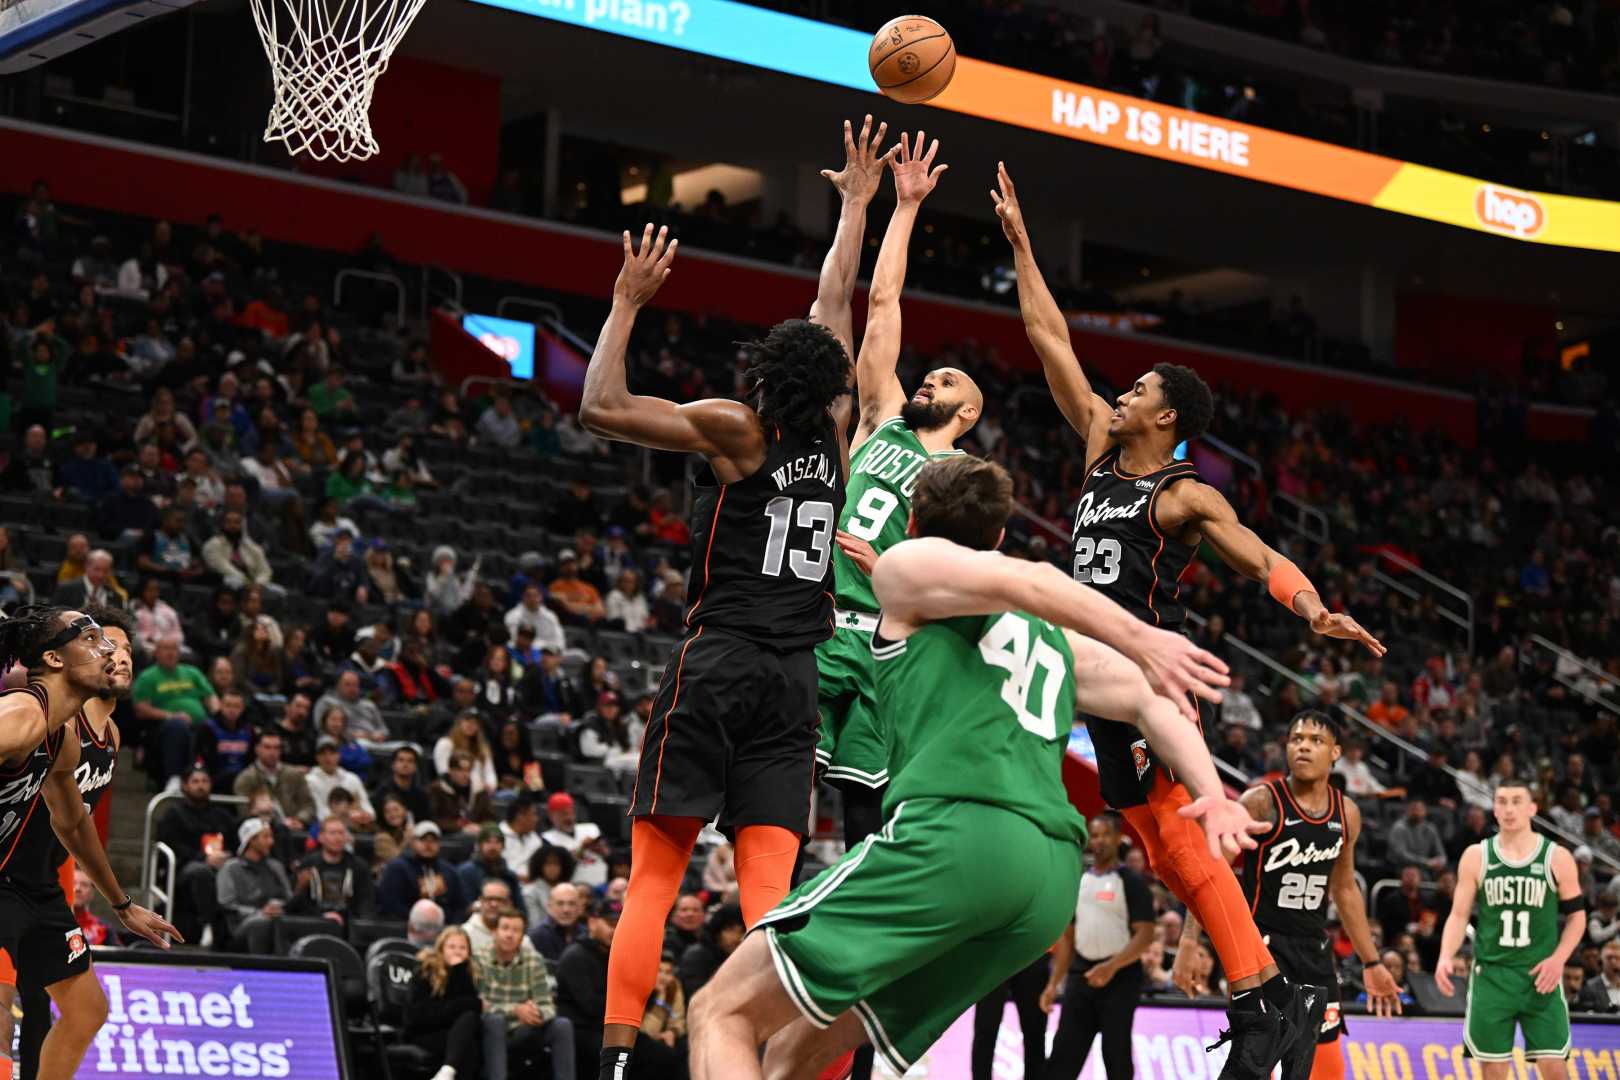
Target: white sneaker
[{"x": 445, "y": 1073}]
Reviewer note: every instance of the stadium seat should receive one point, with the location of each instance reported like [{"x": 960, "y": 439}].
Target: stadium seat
[
  {"x": 363, "y": 933},
  {"x": 1429, "y": 998},
  {"x": 388, "y": 983},
  {"x": 346, "y": 964},
  {"x": 397, "y": 945}
]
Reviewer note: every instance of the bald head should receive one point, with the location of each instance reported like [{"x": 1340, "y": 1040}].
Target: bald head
[{"x": 948, "y": 399}]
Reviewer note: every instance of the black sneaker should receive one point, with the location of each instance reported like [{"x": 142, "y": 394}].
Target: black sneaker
[
  {"x": 1304, "y": 1017},
  {"x": 1258, "y": 1040}
]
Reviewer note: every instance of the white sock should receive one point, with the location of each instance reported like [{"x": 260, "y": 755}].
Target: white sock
[{"x": 446, "y": 1072}]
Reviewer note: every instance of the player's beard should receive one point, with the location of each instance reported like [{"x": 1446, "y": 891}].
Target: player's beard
[{"x": 930, "y": 416}]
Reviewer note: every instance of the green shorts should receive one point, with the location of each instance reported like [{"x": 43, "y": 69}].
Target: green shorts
[
  {"x": 1500, "y": 997},
  {"x": 853, "y": 746},
  {"x": 922, "y": 920}
]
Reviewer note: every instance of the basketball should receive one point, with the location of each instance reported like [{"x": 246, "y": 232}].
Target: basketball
[{"x": 912, "y": 59}]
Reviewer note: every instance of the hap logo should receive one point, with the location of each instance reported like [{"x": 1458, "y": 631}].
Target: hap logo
[{"x": 1509, "y": 211}]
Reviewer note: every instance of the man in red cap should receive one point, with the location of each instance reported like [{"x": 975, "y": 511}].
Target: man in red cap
[{"x": 581, "y": 839}]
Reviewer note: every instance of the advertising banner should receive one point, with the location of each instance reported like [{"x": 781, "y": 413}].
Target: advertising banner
[
  {"x": 195, "y": 1020},
  {"x": 1169, "y": 1045},
  {"x": 837, "y": 55}
]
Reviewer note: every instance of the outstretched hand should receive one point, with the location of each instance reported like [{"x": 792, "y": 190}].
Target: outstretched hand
[
  {"x": 863, "y": 165},
  {"x": 149, "y": 925},
  {"x": 1180, "y": 670},
  {"x": 915, "y": 173},
  {"x": 646, "y": 267},
  {"x": 862, "y": 554},
  {"x": 1333, "y": 625},
  {"x": 1227, "y": 825},
  {"x": 1011, "y": 215},
  {"x": 1383, "y": 995}
]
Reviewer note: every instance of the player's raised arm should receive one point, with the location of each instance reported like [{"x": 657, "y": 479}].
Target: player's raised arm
[
  {"x": 926, "y": 579},
  {"x": 1383, "y": 995},
  {"x": 856, "y": 182},
  {"x": 881, "y": 395},
  {"x": 1241, "y": 549},
  {"x": 1462, "y": 909},
  {"x": 1550, "y": 972},
  {"x": 1108, "y": 685},
  {"x": 1047, "y": 329},
  {"x": 714, "y": 427}
]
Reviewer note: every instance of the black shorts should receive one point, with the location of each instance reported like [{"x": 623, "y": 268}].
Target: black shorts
[
  {"x": 733, "y": 733},
  {"x": 39, "y": 933},
  {"x": 1311, "y": 960},
  {"x": 1125, "y": 763}
]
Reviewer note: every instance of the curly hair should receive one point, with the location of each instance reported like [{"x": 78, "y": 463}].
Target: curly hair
[
  {"x": 796, "y": 371},
  {"x": 109, "y": 617},
  {"x": 1188, "y": 394},
  {"x": 27, "y": 633}
]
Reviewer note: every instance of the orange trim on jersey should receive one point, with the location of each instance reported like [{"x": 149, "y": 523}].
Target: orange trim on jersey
[
  {"x": 89, "y": 729},
  {"x": 1153, "y": 586},
  {"x": 714, "y": 527},
  {"x": 658, "y": 777},
  {"x": 1327, "y": 815},
  {"x": 22, "y": 828},
  {"x": 1259, "y": 855}
]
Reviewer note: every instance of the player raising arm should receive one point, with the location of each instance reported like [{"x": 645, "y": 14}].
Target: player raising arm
[{"x": 1144, "y": 427}]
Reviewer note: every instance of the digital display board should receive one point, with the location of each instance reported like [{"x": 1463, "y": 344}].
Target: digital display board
[{"x": 510, "y": 339}]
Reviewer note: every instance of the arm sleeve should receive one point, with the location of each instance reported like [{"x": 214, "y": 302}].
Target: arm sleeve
[{"x": 1138, "y": 899}]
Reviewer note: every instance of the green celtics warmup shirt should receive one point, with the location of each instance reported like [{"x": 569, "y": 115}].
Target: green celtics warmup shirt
[
  {"x": 979, "y": 710},
  {"x": 877, "y": 502},
  {"x": 1518, "y": 908}
]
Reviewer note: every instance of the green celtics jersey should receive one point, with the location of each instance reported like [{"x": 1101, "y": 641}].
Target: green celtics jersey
[
  {"x": 877, "y": 501},
  {"x": 979, "y": 710},
  {"x": 1518, "y": 907}
]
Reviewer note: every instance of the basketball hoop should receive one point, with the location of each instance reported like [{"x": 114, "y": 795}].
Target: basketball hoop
[{"x": 325, "y": 57}]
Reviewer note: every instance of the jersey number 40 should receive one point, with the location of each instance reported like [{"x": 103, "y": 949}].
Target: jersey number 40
[{"x": 1007, "y": 645}]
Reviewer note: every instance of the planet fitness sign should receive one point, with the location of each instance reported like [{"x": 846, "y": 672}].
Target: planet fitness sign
[
  {"x": 1169, "y": 1045},
  {"x": 176, "y": 1020}
]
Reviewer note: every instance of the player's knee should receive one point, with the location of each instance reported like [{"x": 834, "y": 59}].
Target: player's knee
[{"x": 82, "y": 1005}]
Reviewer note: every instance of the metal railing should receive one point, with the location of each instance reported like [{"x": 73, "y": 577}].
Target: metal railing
[
  {"x": 1463, "y": 620},
  {"x": 155, "y": 803},
  {"x": 428, "y": 270},
  {"x": 160, "y": 898},
  {"x": 1303, "y": 519},
  {"x": 1605, "y": 701},
  {"x": 352, "y": 273}
]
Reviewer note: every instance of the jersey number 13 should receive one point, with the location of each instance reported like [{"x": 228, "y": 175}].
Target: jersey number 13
[{"x": 809, "y": 563}]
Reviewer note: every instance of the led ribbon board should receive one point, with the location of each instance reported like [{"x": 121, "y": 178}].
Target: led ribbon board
[{"x": 837, "y": 55}]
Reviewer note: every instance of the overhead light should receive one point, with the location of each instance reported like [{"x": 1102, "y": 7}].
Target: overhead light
[{"x": 1486, "y": 128}]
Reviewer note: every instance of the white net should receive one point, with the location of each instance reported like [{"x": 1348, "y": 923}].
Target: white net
[{"x": 326, "y": 57}]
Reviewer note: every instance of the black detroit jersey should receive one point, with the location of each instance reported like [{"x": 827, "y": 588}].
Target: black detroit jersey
[
  {"x": 94, "y": 774},
  {"x": 1118, "y": 549},
  {"x": 1286, "y": 877},
  {"x": 26, "y": 836},
  {"x": 762, "y": 547}
]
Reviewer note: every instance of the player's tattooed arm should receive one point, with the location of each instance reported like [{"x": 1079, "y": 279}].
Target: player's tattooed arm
[
  {"x": 1382, "y": 993},
  {"x": 1260, "y": 805},
  {"x": 1462, "y": 909},
  {"x": 725, "y": 432},
  {"x": 1047, "y": 328},
  {"x": 856, "y": 182},
  {"x": 881, "y": 395},
  {"x": 1204, "y": 510}
]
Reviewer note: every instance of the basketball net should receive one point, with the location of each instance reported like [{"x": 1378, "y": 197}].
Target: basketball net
[{"x": 325, "y": 59}]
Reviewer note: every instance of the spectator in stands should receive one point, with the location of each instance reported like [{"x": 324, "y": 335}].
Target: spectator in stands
[
  {"x": 685, "y": 924},
  {"x": 297, "y": 735},
  {"x": 580, "y": 601},
  {"x": 365, "y": 719},
  {"x": 1414, "y": 839},
  {"x": 669, "y": 604},
  {"x": 86, "y": 476},
  {"x": 626, "y": 606},
  {"x": 155, "y": 619},
  {"x": 352, "y": 754},
  {"x": 445, "y": 591},
  {"x": 288, "y": 789},
  {"x": 581, "y": 839},
  {"x": 328, "y": 523},
  {"x": 328, "y": 775},
  {"x": 452, "y": 801},
  {"x": 445, "y": 1014},
  {"x": 1236, "y": 751},
  {"x": 1396, "y": 962},
  {"x": 548, "y": 867},
  {"x": 253, "y": 890},
  {"x": 224, "y": 743},
  {"x": 497, "y": 684},
  {"x": 411, "y": 681},
  {"x": 162, "y": 411},
  {"x": 548, "y": 694},
  {"x": 386, "y": 583},
  {"x": 95, "y": 931},
  {"x": 1602, "y": 994},
  {"x": 665, "y": 1018},
  {"x": 531, "y": 612},
  {"x": 520, "y": 1014},
  {"x": 1472, "y": 783},
  {"x": 475, "y": 626},
  {"x": 167, "y": 552},
  {"x": 332, "y": 881},
  {"x": 492, "y": 896},
  {"x": 127, "y": 514},
  {"x": 404, "y": 783},
  {"x": 333, "y": 640},
  {"x": 521, "y": 830},
  {"x": 330, "y": 398},
  {"x": 1237, "y": 708},
  {"x": 234, "y": 556},
  {"x": 1402, "y": 910},
  {"x": 722, "y": 933},
  {"x": 1574, "y": 982},
  {"x": 97, "y": 588},
  {"x": 487, "y": 864},
  {"x": 421, "y": 874},
  {"x": 1473, "y": 827},
  {"x": 1595, "y": 833},
  {"x": 393, "y": 835},
  {"x": 442, "y": 184},
  {"x": 338, "y": 572},
  {"x": 561, "y": 926},
  {"x": 174, "y": 697},
  {"x": 425, "y": 923},
  {"x": 605, "y": 738},
  {"x": 1387, "y": 711},
  {"x": 195, "y": 829},
  {"x": 467, "y": 738},
  {"x": 498, "y": 424},
  {"x": 259, "y": 658}
]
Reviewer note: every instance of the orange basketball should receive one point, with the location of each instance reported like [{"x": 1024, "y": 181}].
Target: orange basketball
[{"x": 912, "y": 59}]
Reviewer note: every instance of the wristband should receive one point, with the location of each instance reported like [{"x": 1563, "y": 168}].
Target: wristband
[
  {"x": 1286, "y": 582},
  {"x": 125, "y": 906}
]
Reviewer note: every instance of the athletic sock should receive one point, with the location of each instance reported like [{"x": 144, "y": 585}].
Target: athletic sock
[
  {"x": 614, "y": 1063},
  {"x": 1250, "y": 1000},
  {"x": 1279, "y": 992}
]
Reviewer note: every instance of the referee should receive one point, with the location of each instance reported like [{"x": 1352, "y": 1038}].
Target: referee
[{"x": 1113, "y": 925}]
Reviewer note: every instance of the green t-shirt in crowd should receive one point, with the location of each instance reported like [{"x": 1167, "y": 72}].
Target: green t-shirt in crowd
[{"x": 182, "y": 690}]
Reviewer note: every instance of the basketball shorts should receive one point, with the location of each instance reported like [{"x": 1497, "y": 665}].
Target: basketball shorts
[
  {"x": 921, "y": 920},
  {"x": 1310, "y": 960},
  {"x": 1126, "y": 765},
  {"x": 64, "y": 876},
  {"x": 732, "y": 733},
  {"x": 1501, "y": 996},
  {"x": 853, "y": 747},
  {"x": 39, "y": 934}
]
